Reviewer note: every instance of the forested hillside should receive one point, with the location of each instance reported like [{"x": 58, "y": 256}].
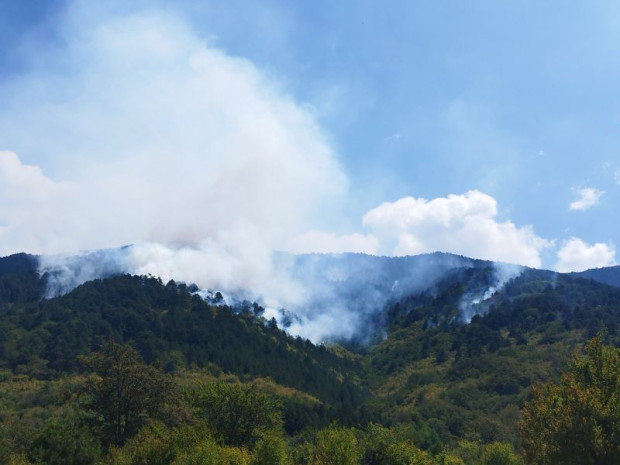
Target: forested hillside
[
  {"x": 168, "y": 325},
  {"x": 609, "y": 275},
  {"x": 470, "y": 380},
  {"x": 445, "y": 384}
]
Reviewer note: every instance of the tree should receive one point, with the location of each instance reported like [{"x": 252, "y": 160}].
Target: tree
[
  {"x": 65, "y": 441},
  {"x": 125, "y": 392},
  {"x": 271, "y": 449},
  {"x": 383, "y": 446},
  {"x": 336, "y": 446},
  {"x": 237, "y": 414},
  {"x": 498, "y": 453},
  {"x": 577, "y": 421}
]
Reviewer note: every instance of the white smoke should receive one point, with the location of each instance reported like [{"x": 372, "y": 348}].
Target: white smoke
[
  {"x": 65, "y": 272},
  {"x": 472, "y": 303},
  {"x": 347, "y": 295},
  {"x": 139, "y": 132}
]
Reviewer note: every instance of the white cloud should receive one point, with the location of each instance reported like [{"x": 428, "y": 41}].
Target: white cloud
[
  {"x": 30, "y": 204},
  {"x": 462, "y": 224},
  {"x": 588, "y": 198},
  {"x": 325, "y": 242},
  {"x": 617, "y": 176},
  {"x": 393, "y": 137},
  {"x": 577, "y": 255}
]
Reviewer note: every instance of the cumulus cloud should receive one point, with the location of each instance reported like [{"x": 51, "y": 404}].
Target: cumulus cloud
[
  {"x": 137, "y": 131},
  {"x": 462, "y": 224},
  {"x": 588, "y": 197},
  {"x": 577, "y": 255},
  {"x": 28, "y": 201}
]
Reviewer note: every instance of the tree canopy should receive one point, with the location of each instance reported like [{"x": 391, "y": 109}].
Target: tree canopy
[
  {"x": 124, "y": 391},
  {"x": 577, "y": 420}
]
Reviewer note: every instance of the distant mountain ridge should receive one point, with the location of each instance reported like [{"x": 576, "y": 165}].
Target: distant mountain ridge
[
  {"x": 18, "y": 262},
  {"x": 346, "y": 296},
  {"x": 608, "y": 275}
]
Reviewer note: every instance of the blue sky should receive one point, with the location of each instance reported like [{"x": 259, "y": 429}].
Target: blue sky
[{"x": 484, "y": 128}]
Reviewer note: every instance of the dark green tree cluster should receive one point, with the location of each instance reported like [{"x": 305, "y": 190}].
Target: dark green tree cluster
[
  {"x": 44, "y": 338},
  {"x": 123, "y": 392}
]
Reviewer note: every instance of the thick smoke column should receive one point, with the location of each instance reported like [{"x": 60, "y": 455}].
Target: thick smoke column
[{"x": 147, "y": 135}]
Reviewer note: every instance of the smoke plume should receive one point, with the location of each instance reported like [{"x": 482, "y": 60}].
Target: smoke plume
[
  {"x": 148, "y": 135},
  {"x": 134, "y": 130},
  {"x": 473, "y": 302}
]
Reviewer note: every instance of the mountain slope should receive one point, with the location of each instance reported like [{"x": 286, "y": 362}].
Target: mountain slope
[
  {"x": 169, "y": 326},
  {"x": 353, "y": 291},
  {"x": 470, "y": 380},
  {"x": 456, "y": 343},
  {"x": 609, "y": 275}
]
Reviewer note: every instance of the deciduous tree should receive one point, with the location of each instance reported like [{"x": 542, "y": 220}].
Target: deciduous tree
[
  {"x": 577, "y": 421},
  {"x": 124, "y": 391}
]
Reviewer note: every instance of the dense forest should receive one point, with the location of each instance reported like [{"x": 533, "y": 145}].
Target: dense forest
[{"x": 129, "y": 369}]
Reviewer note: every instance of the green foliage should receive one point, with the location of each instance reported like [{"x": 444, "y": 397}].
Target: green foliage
[
  {"x": 209, "y": 452},
  {"x": 271, "y": 449},
  {"x": 124, "y": 392},
  {"x": 498, "y": 453},
  {"x": 166, "y": 324},
  {"x": 156, "y": 444},
  {"x": 18, "y": 459},
  {"x": 65, "y": 441},
  {"x": 237, "y": 414},
  {"x": 469, "y": 452},
  {"x": 448, "y": 459},
  {"x": 577, "y": 421},
  {"x": 383, "y": 446},
  {"x": 336, "y": 446}
]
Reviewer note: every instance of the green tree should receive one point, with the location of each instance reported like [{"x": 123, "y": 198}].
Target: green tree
[
  {"x": 65, "y": 441},
  {"x": 499, "y": 453},
  {"x": 271, "y": 449},
  {"x": 383, "y": 446},
  {"x": 336, "y": 446},
  {"x": 237, "y": 414},
  {"x": 18, "y": 460},
  {"x": 577, "y": 421},
  {"x": 208, "y": 452},
  {"x": 125, "y": 392}
]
